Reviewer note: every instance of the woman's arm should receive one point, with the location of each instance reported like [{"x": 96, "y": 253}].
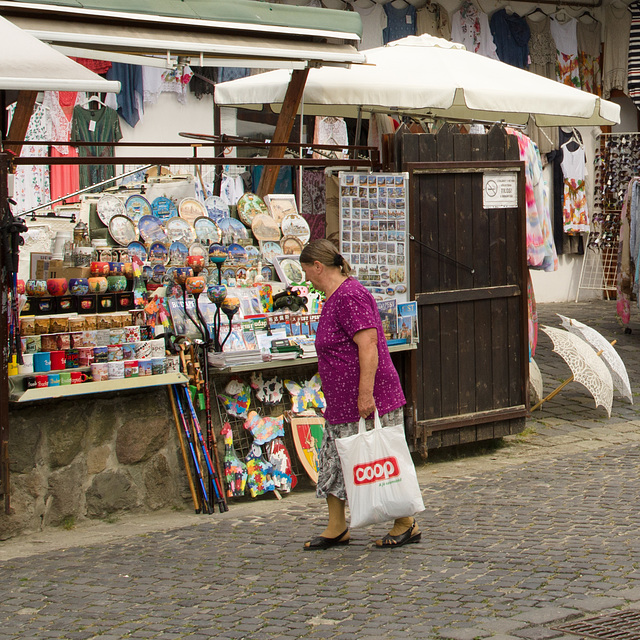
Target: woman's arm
[{"x": 367, "y": 341}]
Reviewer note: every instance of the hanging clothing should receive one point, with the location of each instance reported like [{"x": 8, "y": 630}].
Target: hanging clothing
[
  {"x": 314, "y": 202},
  {"x": 615, "y": 68},
  {"x": 470, "y": 27},
  {"x": 433, "y": 19},
  {"x": 225, "y": 74},
  {"x": 401, "y": 22},
  {"x": 576, "y": 215},
  {"x": 203, "y": 81},
  {"x": 95, "y": 125},
  {"x": 31, "y": 186},
  {"x": 542, "y": 47},
  {"x": 374, "y": 21},
  {"x": 511, "y": 36},
  {"x": 97, "y": 66},
  {"x": 532, "y": 319},
  {"x": 634, "y": 54},
  {"x": 284, "y": 182},
  {"x": 624, "y": 279},
  {"x": 566, "y": 38},
  {"x": 541, "y": 250},
  {"x": 131, "y": 90},
  {"x": 231, "y": 188},
  {"x": 156, "y": 81},
  {"x": 64, "y": 178},
  {"x": 331, "y": 131},
  {"x": 589, "y": 38}
]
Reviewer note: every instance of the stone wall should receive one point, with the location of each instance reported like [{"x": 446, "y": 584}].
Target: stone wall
[{"x": 92, "y": 457}]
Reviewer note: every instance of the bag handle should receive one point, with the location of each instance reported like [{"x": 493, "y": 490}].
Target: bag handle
[{"x": 362, "y": 427}]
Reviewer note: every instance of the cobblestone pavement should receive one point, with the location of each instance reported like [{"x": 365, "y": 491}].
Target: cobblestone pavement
[{"x": 542, "y": 530}]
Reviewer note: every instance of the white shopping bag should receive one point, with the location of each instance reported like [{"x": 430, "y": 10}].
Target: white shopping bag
[{"x": 379, "y": 475}]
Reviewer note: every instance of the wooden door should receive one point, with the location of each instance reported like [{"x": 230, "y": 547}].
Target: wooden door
[{"x": 468, "y": 275}]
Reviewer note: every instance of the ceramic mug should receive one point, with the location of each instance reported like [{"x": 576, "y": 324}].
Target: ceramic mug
[
  {"x": 143, "y": 350},
  {"x": 54, "y": 379},
  {"x": 128, "y": 351},
  {"x": 172, "y": 364},
  {"x": 85, "y": 357},
  {"x": 117, "y": 336},
  {"x": 41, "y": 362},
  {"x": 29, "y": 382},
  {"x": 157, "y": 366},
  {"x": 42, "y": 381},
  {"x": 58, "y": 360},
  {"x": 65, "y": 377},
  {"x": 72, "y": 358},
  {"x": 144, "y": 367},
  {"x": 27, "y": 364},
  {"x": 100, "y": 371},
  {"x": 132, "y": 334},
  {"x": 78, "y": 376},
  {"x": 131, "y": 369},
  {"x": 115, "y": 353},
  {"x": 116, "y": 370}
]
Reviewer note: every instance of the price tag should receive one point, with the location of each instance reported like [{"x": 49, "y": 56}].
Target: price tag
[{"x": 92, "y": 125}]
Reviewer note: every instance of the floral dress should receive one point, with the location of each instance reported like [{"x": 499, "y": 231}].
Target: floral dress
[
  {"x": 575, "y": 214},
  {"x": 566, "y": 38},
  {"x": 32, "y": 183}
]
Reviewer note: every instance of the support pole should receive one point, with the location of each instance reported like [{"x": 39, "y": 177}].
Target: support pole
[
  {"x": 21, "y": 118},
  {"x": 5, "y": 487},
  {"x": 284, "y": 126}
]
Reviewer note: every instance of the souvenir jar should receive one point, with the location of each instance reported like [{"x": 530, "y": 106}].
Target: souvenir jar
[
  {"x": 100, "y": 371},
  {"x": 116, "y": 268},
  {"x": 145, "y": 367},
  {"x": 77, "y": 324},
  {"x": 216, "y": 293},
  {"x": 116, "y": 369},
  {"x": 72, "y": 358},
  {"x": 20, "y": 287},
  {"x": 65, "y": 304},
  {"x": 42, "y": 325},
  {"x": 195, "y": 285},
  {"x": 90, "y": 323},
  {"x": 27, "y": 326},
  {"x": 98, "y": 284},
  {"x": 196, "y": 263},
  {"x": 99, "y": 269},
  {"x": 59, "y": 324},
  {"x": 132, "y": 333},
  {"x": 36, "y": 288},
  {"x": 116, "y": 283},
  {"x": 79, "y": 286},
  {"x": 49, "y": 342}
]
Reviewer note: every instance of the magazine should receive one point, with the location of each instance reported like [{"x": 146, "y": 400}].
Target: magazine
[
  {"x": 408, "y": 321},
  {"x": 388, "y": 310}
]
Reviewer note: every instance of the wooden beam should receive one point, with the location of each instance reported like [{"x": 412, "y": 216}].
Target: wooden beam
[
  {"x": 292, "y": 100},
  {"x": 5, "y": 490},
  {"x": 21, "y": 118}
]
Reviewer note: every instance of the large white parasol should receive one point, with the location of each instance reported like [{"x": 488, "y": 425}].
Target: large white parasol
[
  {"x": 587, "y": 368},
  {"x": 609, "y": 354}
]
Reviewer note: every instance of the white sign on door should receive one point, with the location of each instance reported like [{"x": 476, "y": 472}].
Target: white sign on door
[{"x": 500, "y": 190}]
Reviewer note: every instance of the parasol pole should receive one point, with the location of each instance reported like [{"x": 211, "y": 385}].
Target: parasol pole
[{"x": 558, "y": 389}]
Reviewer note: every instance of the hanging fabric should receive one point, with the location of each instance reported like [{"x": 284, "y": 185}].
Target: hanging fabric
[
  {"x": 615, "y": 75},
  {"x": 401, "y": 20},
  {"x": 511, "y": 36},
  {"x": 470, "y": 27},
  {"x": 565, "y": 36},
  {"x": 433, "y": 19},
  {"x": 634, "y": 54},
  {"x": 589, "y": 41},
  {"x": 374, "y": 21},
  {"x": 574, "y": 170}
]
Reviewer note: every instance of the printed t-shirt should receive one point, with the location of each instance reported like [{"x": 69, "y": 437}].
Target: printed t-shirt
[{"x": 351, "y": 308}]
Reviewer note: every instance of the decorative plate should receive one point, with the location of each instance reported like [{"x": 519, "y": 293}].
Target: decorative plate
[
  {"x": 190, "y": 209},
  {"x": 198, "y": 249},
  {"x": 207, "y": 231},
  {"x": 136, "y": 207},
  {"x": 232, "y": 230},
  {"x": 137, "y": 250},
  {"x": 281, "y": 205},
  {"x": 291, "y": 245},
  {"x": 109, "y": 206},
  {"x": 218, "y": 254},
  {"x": 291, "y": 269},
  {"x": 179, "y": 230},
  {"x": 178, "y": 253},
  {"x": 270, "y": 250},
  {"x": 265, "y": 228},
  {"x": 296, "y": 225},
  {"x": 164, "y": 208},
  {"x": 237, "y": 252},
  {"x": 158, "y": 253},
  {"x": 151, "y": 229},
  {"x": 122, "y": 229},
  {"x": 253, "y": 253},
  {"x": 216, "y": 208},
  {"x": 249, "y": 206}
]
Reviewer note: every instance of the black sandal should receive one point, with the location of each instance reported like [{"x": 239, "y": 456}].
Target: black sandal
[
  {"x": 403, "y": 538},
  {"x": 320, "y": 542}
]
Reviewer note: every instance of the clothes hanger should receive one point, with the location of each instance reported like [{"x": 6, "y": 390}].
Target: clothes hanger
[
  {"x": 537, "y": 10},
  {"x": 93, "y": 99},
  {"x": 587, "y": 14}
]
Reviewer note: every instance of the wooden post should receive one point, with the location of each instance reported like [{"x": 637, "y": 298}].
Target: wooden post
[
  {"x": 20, "y": 120},
  {"x": 283, "y": 130},
  {"x": 4, "y": 346}
]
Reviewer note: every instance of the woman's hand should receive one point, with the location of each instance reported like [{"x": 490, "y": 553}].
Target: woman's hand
[
  {"x": 366, "y": 405},
  {"x": 367, "y": 341}
]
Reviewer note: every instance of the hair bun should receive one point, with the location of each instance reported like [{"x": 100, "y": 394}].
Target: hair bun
[{"x": 337, "y": 260}]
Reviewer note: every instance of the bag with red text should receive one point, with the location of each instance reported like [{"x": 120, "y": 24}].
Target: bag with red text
[{"x": 379, "y": 474}]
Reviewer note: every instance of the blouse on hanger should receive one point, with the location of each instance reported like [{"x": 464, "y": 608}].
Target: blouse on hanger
[
  {"x": 470, "y": 27},
  {"x": 374, "y": 20},
  {"x": 400, "y": 22},
  {"x": 566, "y": 38},
  {"x": 511, "y": 36},
  {"x": 433, "y": 19},
  {"x": 333, "y": 131},
  {"x": 542, "y": 48}
]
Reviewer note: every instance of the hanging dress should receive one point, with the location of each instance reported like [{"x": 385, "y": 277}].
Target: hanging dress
[
  {"x": 32, "y": 183},
  {"x": 470, "y": 27},
  {"x": 616, "y": 49},
  {"x": 634, "y": 54},
  {"x": 565, "y": 36},
  {"x": 589, "y": 38},
  {"x": 575, "y": 213}
]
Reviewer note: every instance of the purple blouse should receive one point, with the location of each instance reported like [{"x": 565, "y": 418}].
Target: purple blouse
[{"x": 348, "y": 310}]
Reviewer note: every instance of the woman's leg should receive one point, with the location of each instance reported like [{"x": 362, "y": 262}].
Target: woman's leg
[
  {"x": 404, "y": 530},
  {"x": 337, "y": 524}
]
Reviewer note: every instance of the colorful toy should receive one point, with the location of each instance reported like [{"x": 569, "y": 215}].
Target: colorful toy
[
  {"x": 283, "y": 476},
  {"x": 260, "y": 472},
  {"x": 306, "y": 396},
  {"x": 264, "y": 428},
  {"x": 235, "y": 470}
]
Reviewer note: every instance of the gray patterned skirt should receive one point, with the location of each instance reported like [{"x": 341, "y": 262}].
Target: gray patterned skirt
[{"x": 330, "y": 478}]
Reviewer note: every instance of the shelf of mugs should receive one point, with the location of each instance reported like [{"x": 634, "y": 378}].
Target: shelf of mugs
[
  {"x": 104, "y": 386},
  {"x": 84, "y": 304}
]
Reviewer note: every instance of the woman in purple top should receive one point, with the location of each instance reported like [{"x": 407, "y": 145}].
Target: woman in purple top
[{"x": 357, "y": 376}]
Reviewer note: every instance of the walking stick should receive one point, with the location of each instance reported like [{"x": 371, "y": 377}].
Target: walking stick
[
  {"x": 194, "y": 456},
  {"x": 187, "y": 466},
  {"x": 222, "y": 505}
]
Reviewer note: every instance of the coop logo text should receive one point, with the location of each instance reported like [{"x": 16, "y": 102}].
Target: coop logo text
[{"x": 382, "y": 469}]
